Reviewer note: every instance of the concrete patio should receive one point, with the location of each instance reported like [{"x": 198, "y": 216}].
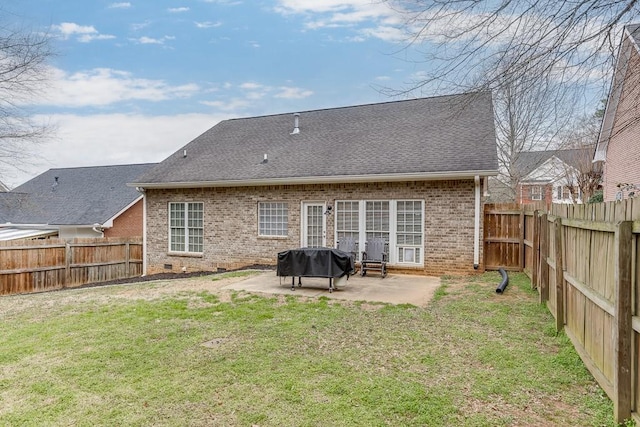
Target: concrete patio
[{"x": 394, "y": 289}]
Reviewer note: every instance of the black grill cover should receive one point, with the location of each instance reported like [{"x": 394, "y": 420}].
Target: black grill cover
[{"x": 314, "y": 262}]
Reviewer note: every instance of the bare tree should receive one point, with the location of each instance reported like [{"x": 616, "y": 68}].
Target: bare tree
[
  {"x": 530, "y": 114},
  {"x": 583, "y": 176},
  {"x": 23, "y": 73},
  {"x": 500, "y": 41}
]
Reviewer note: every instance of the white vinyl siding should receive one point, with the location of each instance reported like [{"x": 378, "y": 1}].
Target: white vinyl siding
[
  {"x": 273, "y": 219},
  {"x": 186, "y": 227}
]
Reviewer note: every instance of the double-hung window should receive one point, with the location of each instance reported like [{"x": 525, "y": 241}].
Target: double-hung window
[
  {"x": 409, "y": 231},
  {"x": 536, "y": 192},
  {"x": 186, "y": 227},
  {"x": 348, "y": 222},
  {"x": 377, "y": 219},
  {"x": 273, "y": 219}
]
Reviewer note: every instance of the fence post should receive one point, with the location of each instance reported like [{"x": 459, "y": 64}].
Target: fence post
[
  {"x": 535, "y": 250},
  {"x": 67, "y": 264},
  {"x": 544, "y": 268},
  {"x": 521, "y": 244},
  {"x": 622, "y": 328},
  {"x": 127, "y": 263},
  {"x": 557, "y": 229}
]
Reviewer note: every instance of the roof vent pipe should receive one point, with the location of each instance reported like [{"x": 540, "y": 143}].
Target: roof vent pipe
[{"x": 296, "y": 124}]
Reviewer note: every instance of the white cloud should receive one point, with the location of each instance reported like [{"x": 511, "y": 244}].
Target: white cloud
[
  {"x": 104, "y": 86},
  {"x": 231, "y": 105},
  {"x": 115, "y": 139},
  {"x": 251, "y": 86},
  {"x": 224, "y": 2},
  {"x": 122, "y": 5},
  {"x": 140, "y": 26},
  {"x": 151, "y": 40},
  {"x": 83, "y": 33},
  {"x": 208, "y": 24},
  {"x": 292, "y": 93},
  {"x": 178, "y": 9},
  {"x": 369, "y": 19}
]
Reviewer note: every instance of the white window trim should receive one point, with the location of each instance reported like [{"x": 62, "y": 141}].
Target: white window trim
[
  {"x": 186, "y": 241},
  {"x": 393, "y": 224}
]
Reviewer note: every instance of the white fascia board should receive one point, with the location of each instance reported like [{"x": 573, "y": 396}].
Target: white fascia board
[{"x": 339, "y": 179}]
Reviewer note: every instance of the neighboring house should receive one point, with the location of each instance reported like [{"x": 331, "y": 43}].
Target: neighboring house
[
  {"x": 551, "y": 176},
  {"x": 3, "y": 188},
  {"x": 75, "y": 202},
  {"x": 619, "y": 141},
  {"x": 410, "y": 171}
]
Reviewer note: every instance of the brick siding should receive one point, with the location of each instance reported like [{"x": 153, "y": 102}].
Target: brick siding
[
  {"x": 231, "y": 231},
  {"x": 623, "y": 152},
  {"x": 128, "y": 224},
  {"x": 523, "y": 194}
]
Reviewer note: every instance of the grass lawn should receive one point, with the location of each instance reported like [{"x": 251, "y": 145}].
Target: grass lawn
[{"x": 153, "y": 354}]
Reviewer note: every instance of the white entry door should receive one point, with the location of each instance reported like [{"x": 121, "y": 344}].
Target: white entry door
[{"x": 314, "y": 225}]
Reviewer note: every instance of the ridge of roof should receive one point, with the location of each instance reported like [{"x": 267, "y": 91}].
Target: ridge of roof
[{"x": 368, "y": 104}]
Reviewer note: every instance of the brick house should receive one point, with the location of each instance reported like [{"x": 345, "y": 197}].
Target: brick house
[
  {"x": 75, "y": 202},
  {"x": 550, "y": 176},
  {"x": 409, "y": 171},
  {"x": 619, "y": 141}
]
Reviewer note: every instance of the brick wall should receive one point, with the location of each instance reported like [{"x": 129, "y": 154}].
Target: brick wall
[
  {"x": 128, "y": 224},
  {"x": 523, "y": 194},
  {"x": 231, "y": 230},
  {"x": 623, "y": 152}
]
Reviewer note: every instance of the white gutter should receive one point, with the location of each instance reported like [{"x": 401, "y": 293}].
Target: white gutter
[
  {"x": 476, "y": 229},
  {"x": 342, "y": 179}
]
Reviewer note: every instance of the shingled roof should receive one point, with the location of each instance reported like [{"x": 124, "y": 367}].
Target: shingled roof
[
  {"x": 72, "y": 196},
  {"x": 528, "y": 161},
  {"x": 439, "y": 137}
]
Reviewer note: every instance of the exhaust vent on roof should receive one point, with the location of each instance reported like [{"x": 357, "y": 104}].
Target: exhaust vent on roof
[{"x": 296, "y": 124}]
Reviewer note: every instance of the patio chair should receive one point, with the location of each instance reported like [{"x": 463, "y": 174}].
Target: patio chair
[
  {"x": 350, "y": 246},
  {"x": 374, "y": 256}
]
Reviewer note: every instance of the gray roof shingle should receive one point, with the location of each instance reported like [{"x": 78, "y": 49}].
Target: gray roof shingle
[
  {"x": 439, "y": 135},
  {"x": 528, "y": 161},
  {"x": 82, "y": 196}
]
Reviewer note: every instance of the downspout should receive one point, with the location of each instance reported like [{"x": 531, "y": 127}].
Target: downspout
[
  {"x": 476, "y": 230},
  {"x": 144, "y": 230}
]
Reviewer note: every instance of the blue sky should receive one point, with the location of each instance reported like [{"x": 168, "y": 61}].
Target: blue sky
[{"x": 135, "y": 80}]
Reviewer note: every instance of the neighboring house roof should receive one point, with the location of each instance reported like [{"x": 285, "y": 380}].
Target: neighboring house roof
[
  {"x": 12, "y": 233},
  {"x": 428, "y": 138},
  {"x": 72, "y": 196},
  {"x": 3, "y": 188},
  {"x": 630, "y": 42},
  {"x": 529, "y": 162}
]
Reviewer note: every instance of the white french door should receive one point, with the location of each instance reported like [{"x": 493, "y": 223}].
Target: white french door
[{"x": 314, "y": 225}]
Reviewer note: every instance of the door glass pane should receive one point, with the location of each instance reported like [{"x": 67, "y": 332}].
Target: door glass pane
[{"x": 315, "y": 230}]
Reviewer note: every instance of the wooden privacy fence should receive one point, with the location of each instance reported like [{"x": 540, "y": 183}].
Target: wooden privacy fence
[
  {"x": 585, "y": 262},
  {"x": 41, "y": 265}
]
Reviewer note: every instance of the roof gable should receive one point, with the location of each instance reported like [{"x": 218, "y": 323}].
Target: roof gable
[
  {"x": 72, "y": 196},
  {"x": 543, "y": 165},
  {"x": 441, "y": 135}
]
